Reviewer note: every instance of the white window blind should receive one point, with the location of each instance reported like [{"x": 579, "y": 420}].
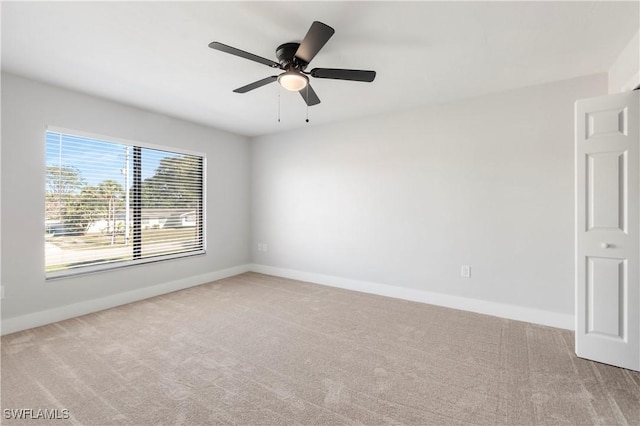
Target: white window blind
[{"x": 110, "y": 204}]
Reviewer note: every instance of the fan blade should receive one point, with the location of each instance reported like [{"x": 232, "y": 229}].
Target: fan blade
[
  {"x": 241, "y": 53},
  {"x": 309, "y": 96},
  {"x": 256, "y": 84},
  {"x": 340, "y": 74},
  {"x": 317, "y": 36}
]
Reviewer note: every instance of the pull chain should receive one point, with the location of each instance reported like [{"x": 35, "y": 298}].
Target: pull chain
[
  {"x": 307, "y": 102},
  {"x": 279, "y": 90}
]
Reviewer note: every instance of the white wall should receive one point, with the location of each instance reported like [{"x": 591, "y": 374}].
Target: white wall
[
  {"x": 402, "y": 199},
  {"x": 27, "y": 108},
  {"x": 624, "y": 74},
  {"x": 406, "y": 199}
]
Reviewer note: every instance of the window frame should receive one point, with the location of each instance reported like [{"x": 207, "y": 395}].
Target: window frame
[{"x": 111, "y": 266}]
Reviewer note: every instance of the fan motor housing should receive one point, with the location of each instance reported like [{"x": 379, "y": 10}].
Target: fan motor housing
[{"x": 286, "y": 56}]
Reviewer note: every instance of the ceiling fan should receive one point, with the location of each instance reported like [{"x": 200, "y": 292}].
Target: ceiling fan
[{"x": 293, "y": 60}]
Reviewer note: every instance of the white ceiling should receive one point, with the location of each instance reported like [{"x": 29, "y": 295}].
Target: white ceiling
[{"x": 154, "y": 55}]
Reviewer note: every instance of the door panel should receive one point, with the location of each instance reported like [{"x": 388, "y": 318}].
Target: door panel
[
  {"x": 606, "y": 296},
  {"x": 608, "y": 230},
  {"x": 605, "y": 123},
  {"x": 606, "y": 176}
]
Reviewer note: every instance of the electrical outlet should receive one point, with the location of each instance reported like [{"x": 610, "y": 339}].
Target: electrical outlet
[
  {"x": 260, "y": 246},
  {"x": 465, "y": 271}
]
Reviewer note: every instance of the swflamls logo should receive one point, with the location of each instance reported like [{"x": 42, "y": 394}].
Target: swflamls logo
[{"x": 36, "y": 413}]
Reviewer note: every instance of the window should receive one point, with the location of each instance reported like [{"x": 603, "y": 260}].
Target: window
[{"x": 113, "y": 203}]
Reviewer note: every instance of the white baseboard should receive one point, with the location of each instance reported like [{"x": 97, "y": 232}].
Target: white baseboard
[
  {"x": 36, "y": 319},
  {"x": 536, "y": 316},
  {"x": 520, "y": 313}
]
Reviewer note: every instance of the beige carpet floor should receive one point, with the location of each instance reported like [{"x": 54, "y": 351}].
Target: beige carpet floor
[{"x": 260, "y": 350}]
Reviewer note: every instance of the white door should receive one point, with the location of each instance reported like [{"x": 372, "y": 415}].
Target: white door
[{"x": 608, "y": 229}]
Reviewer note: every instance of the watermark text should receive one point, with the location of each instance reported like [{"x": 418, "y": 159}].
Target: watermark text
[{"x": 35, "y": 414}]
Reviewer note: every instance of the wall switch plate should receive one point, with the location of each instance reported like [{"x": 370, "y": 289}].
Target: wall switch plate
[
  {"x": 465, "y": 271},
  {"x": 1, "y": 292},
  {"x": 259, "y": 246}
]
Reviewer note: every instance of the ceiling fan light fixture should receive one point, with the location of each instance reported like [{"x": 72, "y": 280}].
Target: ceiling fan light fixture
[
  {"x": 293, "y": 59},
  {"x": 293, "y": 80}
]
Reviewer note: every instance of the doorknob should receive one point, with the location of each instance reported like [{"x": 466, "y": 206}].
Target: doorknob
[{"x": 605, "y": 245}]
